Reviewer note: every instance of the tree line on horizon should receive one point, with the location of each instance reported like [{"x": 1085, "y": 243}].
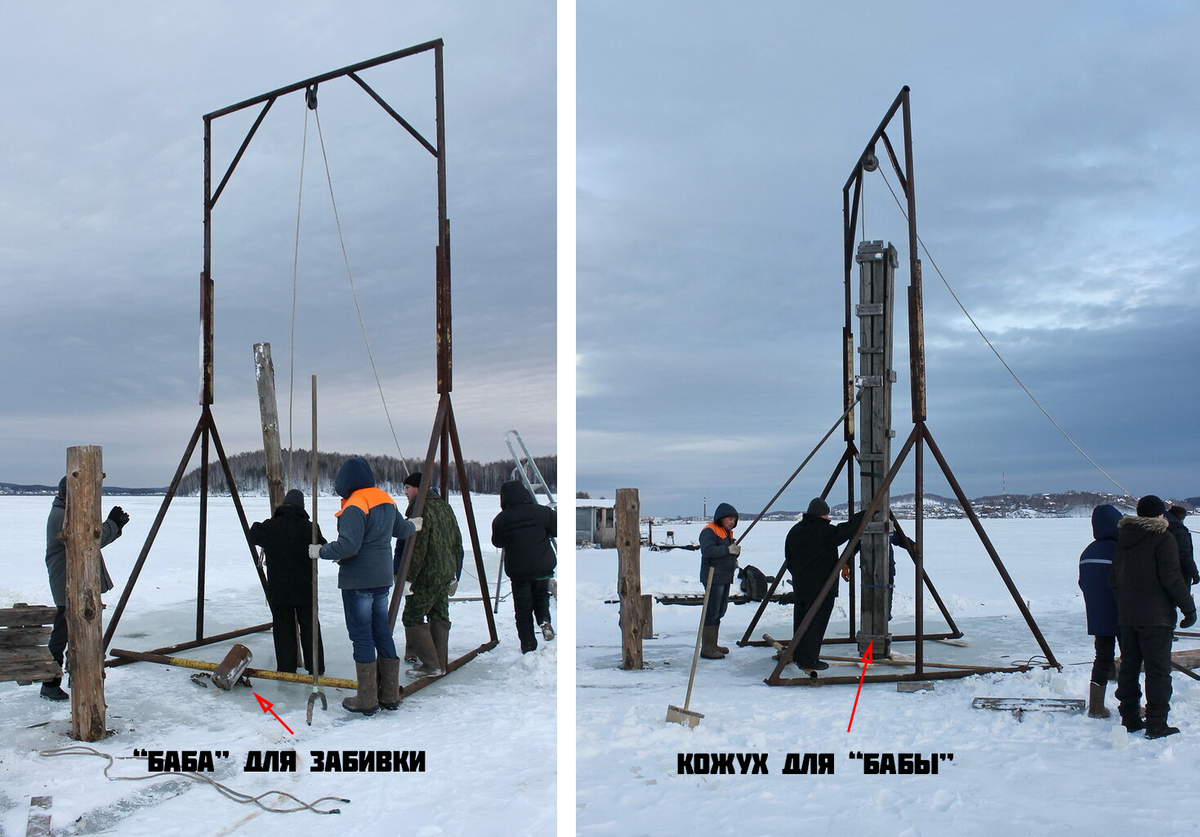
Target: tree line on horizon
[{"x": 250, "y": 473}]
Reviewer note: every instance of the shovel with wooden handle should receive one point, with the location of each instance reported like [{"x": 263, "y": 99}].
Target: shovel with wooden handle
[
  {"x": 683, "y": 715},
  {"x": 316, "y": 539}
]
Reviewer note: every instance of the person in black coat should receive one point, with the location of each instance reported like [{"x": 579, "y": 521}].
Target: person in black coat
[
  {"x": 1183, "y": 539},
  {"x": 523, "y": 529},
  {"x": 285, "y": 539},
  {"x": 1095, "y": 566},
  {"x": 719, "y": 553},
  {"x": 811, "y": 550},
  {"x": 1149, "y": 587}
]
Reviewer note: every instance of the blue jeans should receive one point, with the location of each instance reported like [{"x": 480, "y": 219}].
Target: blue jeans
[{"x": 367, "y": 623}]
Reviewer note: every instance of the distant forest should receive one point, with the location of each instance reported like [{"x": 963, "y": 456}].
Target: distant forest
[{"x": 250, "y": 473}]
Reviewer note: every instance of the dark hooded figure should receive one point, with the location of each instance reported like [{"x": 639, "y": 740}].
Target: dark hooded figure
[
  {"x": 1095, "y": 566},
  {"x": 285, "y": 539},
  {"x": 719, "y": 553},
  {"x": 367, "y": 522},
  {"x": 523, "y": 529},
  {"x": 1183, "y": 539},
  {"x": 811, "y": 550},
  {"x": 1149, "y": 587},
  {"x": 56, "y": 567}
]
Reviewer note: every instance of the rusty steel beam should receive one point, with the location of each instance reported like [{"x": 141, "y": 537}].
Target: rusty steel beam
[{"x": 185, "y": 646}]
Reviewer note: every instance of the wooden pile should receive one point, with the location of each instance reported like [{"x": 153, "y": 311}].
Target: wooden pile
[{"x": 24, "y": 632}]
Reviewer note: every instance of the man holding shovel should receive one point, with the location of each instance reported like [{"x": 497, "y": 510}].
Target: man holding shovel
[{"x": 720, "y": 553}]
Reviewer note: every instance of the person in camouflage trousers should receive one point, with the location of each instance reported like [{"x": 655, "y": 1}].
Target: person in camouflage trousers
[{"x": 432, "y": 571}]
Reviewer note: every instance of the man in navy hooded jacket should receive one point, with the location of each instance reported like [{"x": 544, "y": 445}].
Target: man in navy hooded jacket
[
  {"x": 719, "y": 553},
  {"x": 367, "y": 522},
  {"x": 1095, "y": 567}
]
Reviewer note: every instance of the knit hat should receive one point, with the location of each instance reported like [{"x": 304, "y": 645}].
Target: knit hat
[
  {"x": 1178, "y": 512},
  {"x": 413, "y": 479},
  {"x": 295, "y": 497},
  {"x": 818, "y": 507},
  {"x": 1151, "y": 506}
]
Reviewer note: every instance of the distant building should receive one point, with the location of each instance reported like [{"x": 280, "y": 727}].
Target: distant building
[{"x": 595, "y": 524}]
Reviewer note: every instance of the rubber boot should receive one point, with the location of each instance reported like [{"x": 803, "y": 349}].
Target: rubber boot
[
  {"x": 708, "y": 649},
  {"x": 389, "y": 683},
  {"x": 52, "y": 690},
  {"x": 717, "y": 633},
  {"x": 366, "y": 701},
  {"x": 1159, "y": 729},
  {"x": 421, "y": 641},
  {"x": 441, "y": 641},
  {"x": 1096, "y": 707}
]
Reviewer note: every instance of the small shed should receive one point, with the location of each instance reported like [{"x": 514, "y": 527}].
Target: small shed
[{"x": 595, "y": 524}]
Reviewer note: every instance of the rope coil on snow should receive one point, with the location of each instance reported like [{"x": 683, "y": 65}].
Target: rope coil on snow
[{"x": 224, "y": 790}]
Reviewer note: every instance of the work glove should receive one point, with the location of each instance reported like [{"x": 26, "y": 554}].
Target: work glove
[
  {"x": 452, "y": 587},
  {"x": 1195, "y": 580},
  {"x": 314, "y": 551},
  {"x": 735, "y": 549},
  {"x": 417, "y": 522},
  {"x": 846, "y": 572},
  {"x": 1189, "y": 619},
  {"x": 118, "y": 516},
  {"x": 260, "y": 558}
]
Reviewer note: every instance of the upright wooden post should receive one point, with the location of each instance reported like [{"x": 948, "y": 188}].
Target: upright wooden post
[
  {"x": 85, "y": 660},
  {"x": 268, "y": 409},
  {"x": 629, "y": 576}
]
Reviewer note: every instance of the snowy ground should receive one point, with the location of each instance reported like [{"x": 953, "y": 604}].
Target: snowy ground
[
  {"x": 1049, "y": 774},
  {"x": 487, "y": 730}
]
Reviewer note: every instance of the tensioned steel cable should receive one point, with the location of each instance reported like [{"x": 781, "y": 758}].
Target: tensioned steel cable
[
  {"x": 999, "y": 357},
  {"x": 295, "y": 283},
  {"x": 349, "y": 275}
]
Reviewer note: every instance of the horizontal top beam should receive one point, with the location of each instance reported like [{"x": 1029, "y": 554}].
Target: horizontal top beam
[{"x": 301, "y": 85}]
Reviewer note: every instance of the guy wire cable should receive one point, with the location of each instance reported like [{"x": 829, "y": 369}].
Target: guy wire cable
[{"x": 999, "y": 357}]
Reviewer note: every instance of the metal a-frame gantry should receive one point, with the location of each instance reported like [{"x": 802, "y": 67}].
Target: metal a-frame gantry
[
  {"x": 877, "y": 476},
  {"x": 445, "y": 431}
]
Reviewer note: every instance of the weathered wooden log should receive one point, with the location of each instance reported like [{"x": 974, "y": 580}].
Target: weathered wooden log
[
  {"x": 629, "y": 578},
  {"x": 83, "y": 528}
]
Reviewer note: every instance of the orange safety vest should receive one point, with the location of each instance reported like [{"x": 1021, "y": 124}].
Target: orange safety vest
[
  {"x": 365, "y": 499},
  {"x": 720, "y": 531}
]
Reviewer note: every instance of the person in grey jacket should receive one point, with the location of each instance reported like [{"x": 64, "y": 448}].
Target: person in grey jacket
[
  {"x": 719, "y": 553},
  {"x": 367, "y": 522},
  {"x": 56, "y": 568},
  {"x": 1149, "y": 587}
]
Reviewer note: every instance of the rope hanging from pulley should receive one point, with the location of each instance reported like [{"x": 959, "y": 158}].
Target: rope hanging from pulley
[{"x": 310, "y": 100}]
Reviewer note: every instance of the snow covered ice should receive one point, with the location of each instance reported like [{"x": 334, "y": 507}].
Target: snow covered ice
[
  {"x": 1049, "y": 774},
  {"x": 487, "y": 729}
]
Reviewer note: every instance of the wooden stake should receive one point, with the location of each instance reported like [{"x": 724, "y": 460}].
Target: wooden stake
[
  {"x": 629, "y": 578},
  {"x": 264, "y": 373},
  {"x": 85, "y": 657}
]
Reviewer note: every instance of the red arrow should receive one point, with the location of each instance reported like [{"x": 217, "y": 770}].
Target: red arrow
[
  {"x": 866, "y": 661},
  {"x": 266, "y": 707}
]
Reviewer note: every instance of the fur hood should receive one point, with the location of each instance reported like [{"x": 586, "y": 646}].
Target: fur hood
[{"x": 1151, "y": 525}]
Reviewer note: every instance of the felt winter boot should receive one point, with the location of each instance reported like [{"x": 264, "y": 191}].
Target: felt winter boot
[
  {"x": 420, "y": 639},
  {"x": 709, "y": 650},
  {"x": 441, "y": 641},
  {"x": 52, "y": 690},
  {"x": 366, "y": 701},
  {"x": 1096, "y": 707},
  {"x": 717, "y": 633},
  {"x": 389, "y": 683}
]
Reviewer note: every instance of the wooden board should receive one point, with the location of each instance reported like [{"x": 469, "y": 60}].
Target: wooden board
[
  {"x": 38, "y": 824},
  {"x": 27, "y": 616}
]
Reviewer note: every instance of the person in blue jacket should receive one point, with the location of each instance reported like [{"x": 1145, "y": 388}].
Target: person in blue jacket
[
  {"x": 1095, "y": 564},
  {"x": 367, "y": 522},
  {"x": 718, "y": 552}
]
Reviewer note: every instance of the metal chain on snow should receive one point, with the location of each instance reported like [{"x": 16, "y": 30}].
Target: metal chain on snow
[
  {"x": 999, "y": 357},
  {"x": 224, "y": 790}
]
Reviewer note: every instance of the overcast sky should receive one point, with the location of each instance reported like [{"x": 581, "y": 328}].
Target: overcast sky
[
  {"x": 101, "y": 185},
  {"x": 1056, "y": 166}
]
